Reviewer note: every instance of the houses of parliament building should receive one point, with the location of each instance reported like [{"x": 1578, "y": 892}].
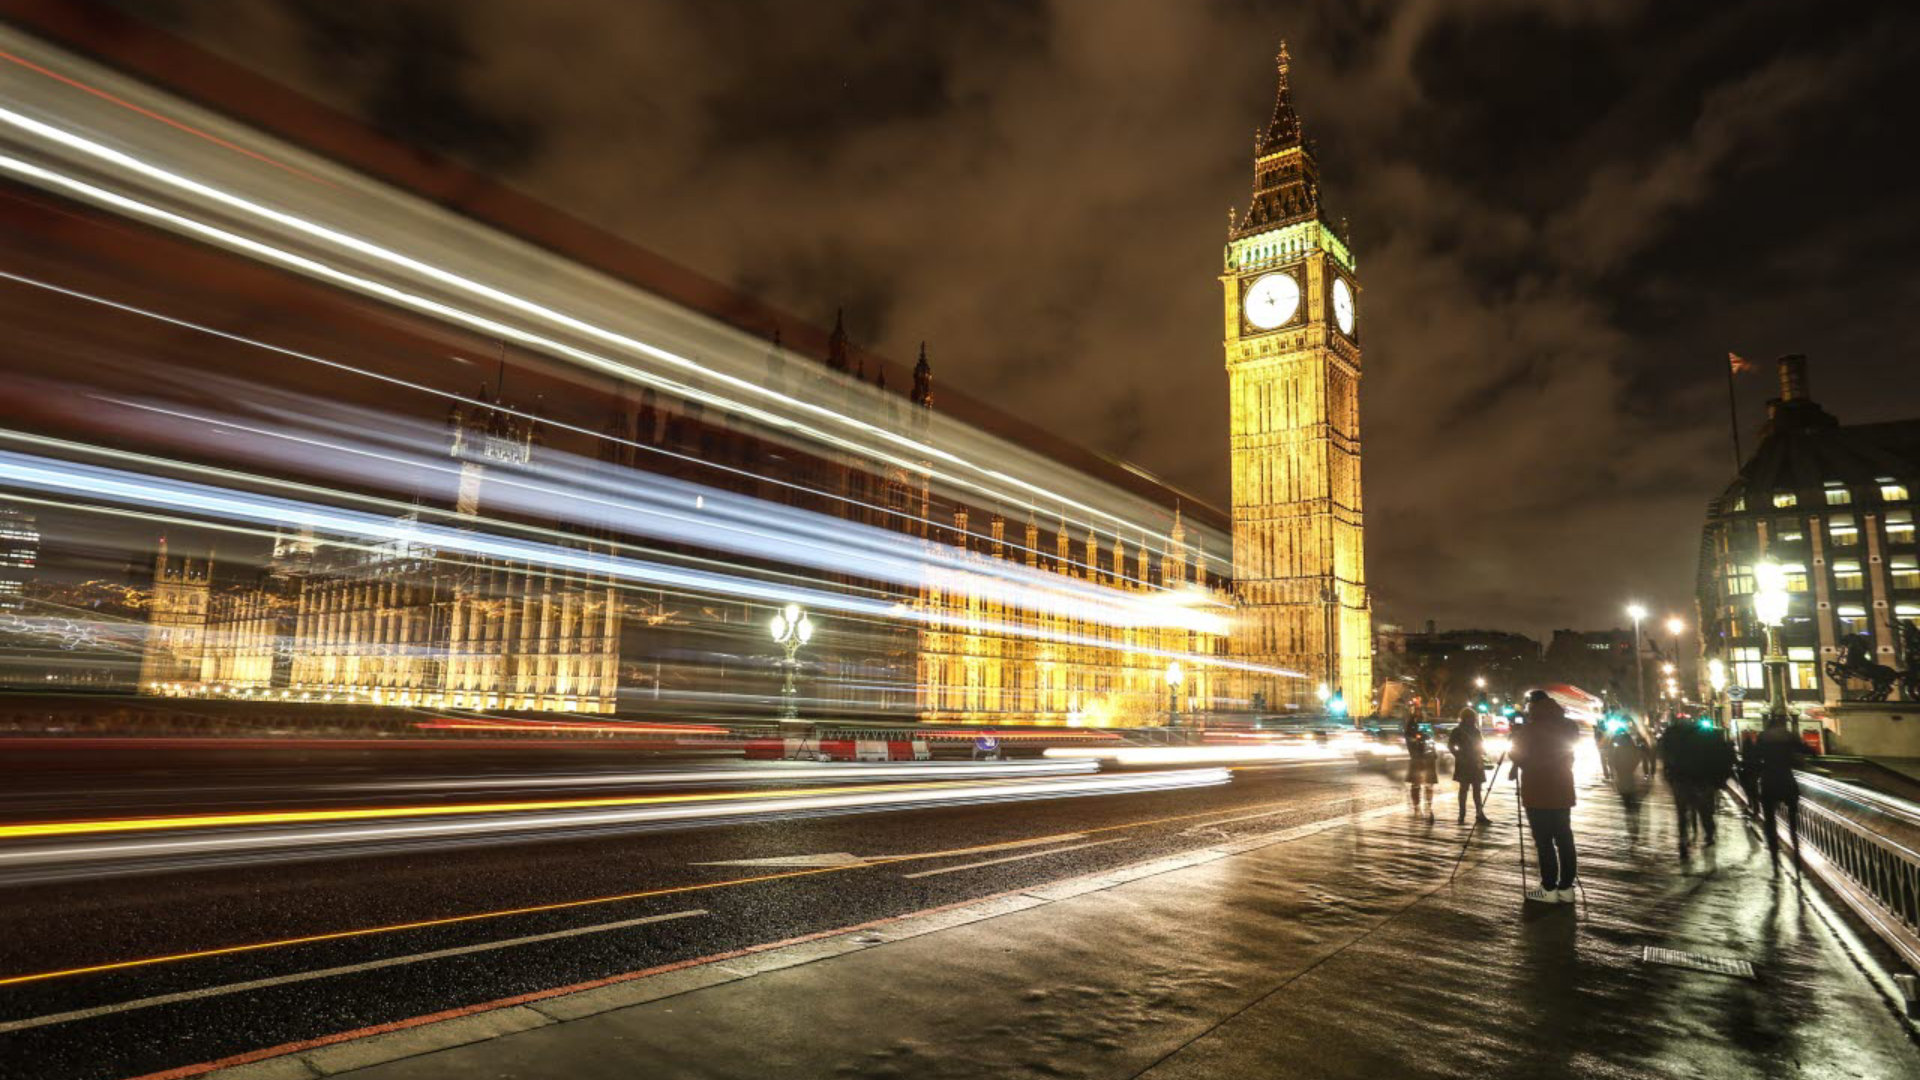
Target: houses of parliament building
[{"x": 401, "y": 623}]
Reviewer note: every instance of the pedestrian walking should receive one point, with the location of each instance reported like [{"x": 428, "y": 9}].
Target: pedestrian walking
[
  {"x": 1749, "y": 773},
  {"x": 1469, "y": 750},
  {"x": 1680, "y": 759},
  {"x": 1713, "y": 767},
  {"x": 1622, "y": 754},
  {"x": 1423, "y": 766},
  {"x": 1777, "y": 751},
  {"x": 1543, "y": 763}
]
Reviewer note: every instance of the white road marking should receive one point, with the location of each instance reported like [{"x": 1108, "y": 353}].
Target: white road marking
[
  {"x": 1007, "y": 859},
  {"x": 325, "y": 973}
]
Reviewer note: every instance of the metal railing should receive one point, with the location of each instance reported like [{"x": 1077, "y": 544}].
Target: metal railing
[{"x": 1862, "y": 842}]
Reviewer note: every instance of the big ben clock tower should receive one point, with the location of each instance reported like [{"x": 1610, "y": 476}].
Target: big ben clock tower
[{"x": 1293, "y": 328}]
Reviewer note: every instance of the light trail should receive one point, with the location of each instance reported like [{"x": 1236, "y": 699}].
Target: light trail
[
  {"x": 773, "y": 770},
  {"x": 233, "y": 836},
  {"x": 314, "y": 268},
  {"x": 583, "y": 306},
  {"x": 371, "y": 813},
  {"x": 159, "y": 493}
]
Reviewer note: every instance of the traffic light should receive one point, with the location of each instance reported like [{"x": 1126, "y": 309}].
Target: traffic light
[{"x": 1337, "y": 705}]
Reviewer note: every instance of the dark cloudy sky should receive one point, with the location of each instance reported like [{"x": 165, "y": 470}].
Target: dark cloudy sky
[{"x": 1565, "y": 213}]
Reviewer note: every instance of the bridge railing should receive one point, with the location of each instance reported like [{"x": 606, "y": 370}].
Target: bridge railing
[{"x": 1863, "y": 844}]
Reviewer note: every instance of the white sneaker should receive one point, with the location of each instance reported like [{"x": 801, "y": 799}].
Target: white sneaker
[
  {"x": 1542, "y": 896},
  {"x": 1563, "y": 896}
]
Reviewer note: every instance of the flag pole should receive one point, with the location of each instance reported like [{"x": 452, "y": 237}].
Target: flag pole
[{"x": 1733, "y": 416}]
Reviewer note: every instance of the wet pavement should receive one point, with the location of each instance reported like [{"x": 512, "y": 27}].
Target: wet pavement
[{"x": 1334, "y": 950}]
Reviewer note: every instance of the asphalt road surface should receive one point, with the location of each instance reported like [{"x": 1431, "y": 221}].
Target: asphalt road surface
[{"x": 148, "y": 967}]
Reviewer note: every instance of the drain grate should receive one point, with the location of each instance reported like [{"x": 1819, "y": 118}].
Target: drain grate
[{"x": 1716, "y": 965}]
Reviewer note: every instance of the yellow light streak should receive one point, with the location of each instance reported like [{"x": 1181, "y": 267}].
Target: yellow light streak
[{"x": 375, "y": 813}]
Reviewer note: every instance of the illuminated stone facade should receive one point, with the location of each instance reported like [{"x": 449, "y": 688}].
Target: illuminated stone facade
[
  {"x": 396, "y": 623},
  {"x": 1055, "y": 665},
  {"x": 1292, "y": 333}
]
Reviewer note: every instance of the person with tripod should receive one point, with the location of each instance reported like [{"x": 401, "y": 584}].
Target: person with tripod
[
  {"x": 1543, "y": 764},
  {"x": 1470, "y": 764}
]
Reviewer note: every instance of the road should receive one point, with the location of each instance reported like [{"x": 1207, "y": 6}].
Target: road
[{"x": 143, "y": 967}]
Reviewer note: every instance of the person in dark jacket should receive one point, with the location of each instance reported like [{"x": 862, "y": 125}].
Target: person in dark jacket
[
  {"x": 1680, "y": 760},
  {"x": 1423, "y": 765},
  {"x": 1776, "y": 752},
  {"x": 1470, "y": 764},
  {"x": 1543, "y": 763}
]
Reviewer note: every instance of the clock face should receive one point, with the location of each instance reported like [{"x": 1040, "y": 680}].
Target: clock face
[
  {"x": 1343, "y": 306},
  {"x": 1272, "y": 301}
]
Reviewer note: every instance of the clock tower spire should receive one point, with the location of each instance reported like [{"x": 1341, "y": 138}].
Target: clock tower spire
[{"x": 1293, "y": 370}]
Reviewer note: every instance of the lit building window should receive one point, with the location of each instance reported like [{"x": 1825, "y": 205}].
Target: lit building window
[
  {"x": 1906, "y": 613},
  {"x": 1900, "y": 527},
  {"x": 1838, "y": 496},
  {"x": 1847, "y": 576},
  {"x": 1748, "y": 671},
  {"x": 1802, "y": 672},
  {"x": 1893, "y": 493},
  {"x": 1796, "y": 574},
  {"x": 1739, "y": 504},
  {"x": 1851, "y": 618},
  {"x": 1785, "y": 498},
  {"x": 1905, "y": 571},
  {"x": 1788, "y": 531},
  {"x": 1740, "y": 580},
  {"x": 1842, "y": 530}
]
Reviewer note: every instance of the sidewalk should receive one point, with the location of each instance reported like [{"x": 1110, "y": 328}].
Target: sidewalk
[{"x": 1335, "y": 951}]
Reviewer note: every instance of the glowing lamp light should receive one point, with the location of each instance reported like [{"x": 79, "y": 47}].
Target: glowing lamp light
[
  {"x": 791, "y": 625},
  {"x": 1480, "y": 681},
  {"x": 1174, "y": 674},
  {"x": 1770, "y": 593},
  {"x": 1675, "y": 625},
  {"x": 1716, "y": 674},
  {"x": 1323, "y": 692},
  {"x": 1636, "y": 612}
]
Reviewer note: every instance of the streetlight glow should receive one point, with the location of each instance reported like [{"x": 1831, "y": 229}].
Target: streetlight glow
[
  {"x": 1636, "y": 612},
  {"x": 1675, "y": 625},
  {"x": 1770, "y": 593}
]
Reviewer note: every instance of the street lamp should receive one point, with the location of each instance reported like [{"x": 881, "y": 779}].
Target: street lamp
[
  {"x": 1174, "y": 678},
  {"x": 791, "y": 628},
  {"x": 1770, "y": 607},
  {"x": 1637, "y": 612},
  {"x": 1717, "y": 682}
]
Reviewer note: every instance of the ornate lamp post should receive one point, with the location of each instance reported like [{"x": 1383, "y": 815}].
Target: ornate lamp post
[
  {"x": 1770, "y": 607},
  {"x": 791, "y": 628},
  {"x": 1637, "y": 612},
  {"x": 1175, "y": 677}
]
